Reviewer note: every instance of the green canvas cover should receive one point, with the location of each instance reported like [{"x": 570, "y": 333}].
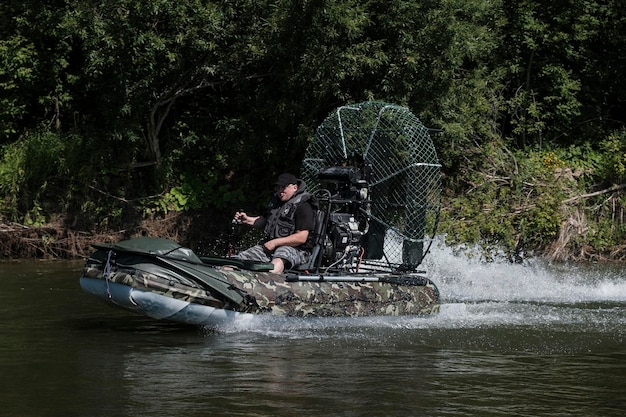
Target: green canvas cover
[
  {"x": 156, "y": 255},
  {"x": 152, "y": 246}
]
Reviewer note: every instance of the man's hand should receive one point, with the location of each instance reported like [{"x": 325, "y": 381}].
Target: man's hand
[
  {"x": 270, "y": 245},
  {"x": 239, "y": 217},
  {"x": 242, "y": 218}
]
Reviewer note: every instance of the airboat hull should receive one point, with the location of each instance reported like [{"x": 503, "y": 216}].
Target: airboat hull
[
  {"x": 157, "y": 306},
  {"x": 159, "y": 284}
]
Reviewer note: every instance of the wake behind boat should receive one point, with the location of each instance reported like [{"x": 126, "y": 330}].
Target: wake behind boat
[{"x": 374, "y": 171}]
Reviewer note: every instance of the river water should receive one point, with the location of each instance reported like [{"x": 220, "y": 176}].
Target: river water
[{"x": 511, "y": 340}]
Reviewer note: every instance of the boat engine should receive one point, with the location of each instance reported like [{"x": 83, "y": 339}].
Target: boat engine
[
  {"x": 344, "y": 182},
  {"x": 347, "y": 207},
  {"x": 344, "y": 231}
]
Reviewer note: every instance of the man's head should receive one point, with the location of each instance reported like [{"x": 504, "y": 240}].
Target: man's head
[{"x": 286, "y": 186}]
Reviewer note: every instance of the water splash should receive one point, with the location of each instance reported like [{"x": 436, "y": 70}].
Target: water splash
[{"x": 462, "y": 278}]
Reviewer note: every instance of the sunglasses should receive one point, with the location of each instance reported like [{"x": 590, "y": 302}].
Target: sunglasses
[{"x": 280, "y": 188}]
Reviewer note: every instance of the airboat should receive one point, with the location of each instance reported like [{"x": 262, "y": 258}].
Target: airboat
[{"x": 375, "y": 172}]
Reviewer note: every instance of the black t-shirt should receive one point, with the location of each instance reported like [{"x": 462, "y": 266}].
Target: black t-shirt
[{"x": 305, "y": 217}]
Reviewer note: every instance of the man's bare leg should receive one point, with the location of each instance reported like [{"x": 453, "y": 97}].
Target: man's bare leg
[{"x": 279, "y": 265}]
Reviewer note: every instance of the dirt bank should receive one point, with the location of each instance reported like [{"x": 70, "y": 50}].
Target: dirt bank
[
  {"x": 205, "y": 234},
  {"x": 56, "y": 240}
]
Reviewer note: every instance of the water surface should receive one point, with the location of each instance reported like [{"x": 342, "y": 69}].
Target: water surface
[{"x": 514, "y": 340}]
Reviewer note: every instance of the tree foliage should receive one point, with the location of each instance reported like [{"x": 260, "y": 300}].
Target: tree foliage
[{"x": 119, "y": 108}]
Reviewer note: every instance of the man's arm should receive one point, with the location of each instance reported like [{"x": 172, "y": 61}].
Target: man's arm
[
  {"x": 243, "y": 218},
  {"x": 296, "y": 239}
]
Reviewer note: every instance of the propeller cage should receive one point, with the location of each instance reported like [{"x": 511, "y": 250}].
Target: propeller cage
[{"x": 374, "y": 168}]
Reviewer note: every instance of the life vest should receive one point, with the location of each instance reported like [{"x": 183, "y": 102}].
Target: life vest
[{"x": 281, "y": 217}]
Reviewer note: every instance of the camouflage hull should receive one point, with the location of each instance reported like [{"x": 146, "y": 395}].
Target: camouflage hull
[{"x": 196, "y": 292}]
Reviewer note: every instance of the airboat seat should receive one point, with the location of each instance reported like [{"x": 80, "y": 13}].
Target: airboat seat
[
  {"x": 311, "y": 264},
  {"x": 318, "y": 238}
]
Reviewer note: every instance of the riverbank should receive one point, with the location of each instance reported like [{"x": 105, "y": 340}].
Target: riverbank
[
  {"x": 197, "y": 230},
  {"x": 57, "y": 240}
]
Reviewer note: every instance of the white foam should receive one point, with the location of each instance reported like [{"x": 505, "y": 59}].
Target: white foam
[{"x": 471, "y": 279}]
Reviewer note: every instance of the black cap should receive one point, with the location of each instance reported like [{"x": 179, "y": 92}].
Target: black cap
[{"x": 285, "y": 179}]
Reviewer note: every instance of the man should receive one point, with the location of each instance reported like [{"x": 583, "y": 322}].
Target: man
[{"x": 288, "y": 226}]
